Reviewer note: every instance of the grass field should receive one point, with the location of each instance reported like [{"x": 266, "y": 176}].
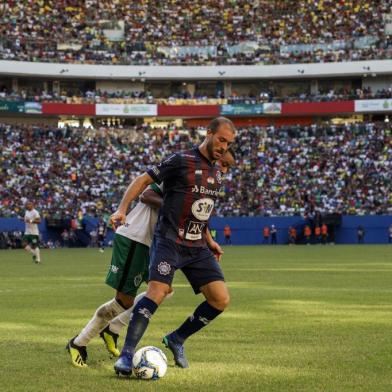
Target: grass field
[{"x": 301, "y": 319}]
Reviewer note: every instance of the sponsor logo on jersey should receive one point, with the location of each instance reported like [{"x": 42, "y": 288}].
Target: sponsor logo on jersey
[
  {"x": 210, "y": 180},
  {"x": 164, "y": 268},
  {"x": 205, "y": 191},
  {"x": 194, "y": 231},
  {"x": 137, "y": 280},
  {"x": 202, "y": 208}
]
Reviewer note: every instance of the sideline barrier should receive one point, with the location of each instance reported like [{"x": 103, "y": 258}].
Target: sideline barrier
[{"x": 248, "y": 230}]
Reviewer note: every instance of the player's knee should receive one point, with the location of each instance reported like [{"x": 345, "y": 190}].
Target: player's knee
[
  {"x": 124, "y": 300},
  {"x": 220, "y": 301},
  {"x": 158, "y": 292}
]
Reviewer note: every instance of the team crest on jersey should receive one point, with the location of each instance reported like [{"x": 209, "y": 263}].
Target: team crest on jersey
[
  {"x": 181, "y": 233},
  {"x": 137, "y": 280},
  {"x": 219, "y": 177},
  {"x": 164, "y": 268},
  {"x": 210, "y": 180},
  {"x": 114, "y": 269}
]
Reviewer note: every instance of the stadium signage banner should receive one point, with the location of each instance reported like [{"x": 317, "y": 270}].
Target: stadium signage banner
[
  {"x": 241, "y": 109},
  {"x": 33, "y": 107},
  {"x": 373, "y": 105},
  {"x": 272, "y": 108},
  {"x": 12, "y": 106},
  {"x": 126, "y": 110}
]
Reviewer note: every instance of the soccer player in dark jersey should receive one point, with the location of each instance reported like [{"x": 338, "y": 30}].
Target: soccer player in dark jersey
[{"x": 181, "y": 240}]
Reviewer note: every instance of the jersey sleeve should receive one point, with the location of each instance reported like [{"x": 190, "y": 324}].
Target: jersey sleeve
[
  {"x": 165, "y": 169},
  {"x": 36, "y": 215}
]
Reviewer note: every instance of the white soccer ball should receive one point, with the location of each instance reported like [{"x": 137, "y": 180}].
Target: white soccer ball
[{"x": 149, "y": 363}]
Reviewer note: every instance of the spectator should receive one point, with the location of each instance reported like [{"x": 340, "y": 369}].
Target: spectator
[
  {"x": 65, "y": 238},
  {"x": 266, "y": 234},
  {"x": 307, "y": 234},
  {"x": 317, "y": 234},
  {"x": 292, "y": 235},
  {"x": 324, "y": 233},
  {"x": 227, "y": 234},
  {"x": 274, "y": 234},
  {"x": 360, "y": 234},
  {"x": 390, "y": 234}
]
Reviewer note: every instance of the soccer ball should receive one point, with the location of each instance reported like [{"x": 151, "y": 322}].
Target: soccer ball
[{"x": 149, "y": 363}]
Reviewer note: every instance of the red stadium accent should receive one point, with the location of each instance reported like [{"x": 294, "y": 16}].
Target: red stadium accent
[
  {"x": 301, "y": 108},
  {"x": 188, "y": 110},
  {"x": 68, "y": 108}
]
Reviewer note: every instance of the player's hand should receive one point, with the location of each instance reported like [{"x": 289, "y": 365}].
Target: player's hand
[
  {"x": 216, "y": 250},
  {"x": 117, "y": 219}
]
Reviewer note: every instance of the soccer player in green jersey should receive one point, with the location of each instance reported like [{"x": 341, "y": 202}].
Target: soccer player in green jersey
[{"x": 31, "y": 236}]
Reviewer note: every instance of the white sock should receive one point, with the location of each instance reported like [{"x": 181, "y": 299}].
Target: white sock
[
  {"x": 29, "y": 249},
  {"x": 122, "y": 320},
  {"x": 38, "y": 254},
  {"x": 101, "y": 318}
]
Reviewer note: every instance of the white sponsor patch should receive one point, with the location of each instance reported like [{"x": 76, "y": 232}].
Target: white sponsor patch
[
  {"x": 198, "y": 172},
  {"x": 164, "y": 268},
  {"x": 194, "y": 231},
  {"x": 202, "y": 208},
  {"x": 210, "y": 180}
]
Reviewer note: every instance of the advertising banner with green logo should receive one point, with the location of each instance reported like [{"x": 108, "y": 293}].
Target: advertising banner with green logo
[
  {"x": 132, "y": 110},
  {"x": 11, "y": 107},
  {"x": 373, "y": 105},
  {"x": 241, "y": 109}
]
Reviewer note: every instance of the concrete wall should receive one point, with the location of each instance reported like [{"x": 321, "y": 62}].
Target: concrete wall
[{"x": 124, "y": 72}]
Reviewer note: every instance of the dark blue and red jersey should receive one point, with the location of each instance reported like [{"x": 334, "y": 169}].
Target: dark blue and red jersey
[{"x": 191, "y": 184}]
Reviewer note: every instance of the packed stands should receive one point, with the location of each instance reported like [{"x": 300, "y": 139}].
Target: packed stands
[
  {"x": 280, "y": 171},
  {"x": 142, "y": 97},
  {"x": 197, "y": 32}
]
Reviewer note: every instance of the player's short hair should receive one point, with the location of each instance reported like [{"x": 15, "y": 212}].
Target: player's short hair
[{"x": 218, "y": 121}]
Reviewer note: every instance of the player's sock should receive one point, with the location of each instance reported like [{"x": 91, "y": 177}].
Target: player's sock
[
  {"x": 122, "y": 320},
  {"x": 140, "y": 317},
  {"x": 102, "y": 316},
  {"x": 203, "y": 314},
  {"x": 37, "y": 254}
]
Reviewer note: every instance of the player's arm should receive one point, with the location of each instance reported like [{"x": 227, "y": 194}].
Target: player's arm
[
  {"x": 151, "y": 198},
  {"x": 213, "y": 245},
  {"x": 137, "y": 186}
]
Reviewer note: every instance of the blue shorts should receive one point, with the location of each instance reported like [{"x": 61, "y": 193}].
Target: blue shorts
[{"x": 198, "y": 264}]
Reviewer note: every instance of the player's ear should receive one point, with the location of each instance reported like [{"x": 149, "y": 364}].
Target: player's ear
[{"x": 209, "y": 133}]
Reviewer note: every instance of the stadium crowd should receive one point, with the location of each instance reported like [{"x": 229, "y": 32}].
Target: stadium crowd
[
  {"x": 280, "y": 171},
  {"x": 194, "y": 32},
  {"x": 146, "y": 97}
]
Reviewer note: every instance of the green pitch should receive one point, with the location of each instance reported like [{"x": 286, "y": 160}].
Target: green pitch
[{"x": 315, "y": 318}]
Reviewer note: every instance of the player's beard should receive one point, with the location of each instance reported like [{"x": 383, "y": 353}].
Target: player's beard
[{"x": 210, "y": 151}]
